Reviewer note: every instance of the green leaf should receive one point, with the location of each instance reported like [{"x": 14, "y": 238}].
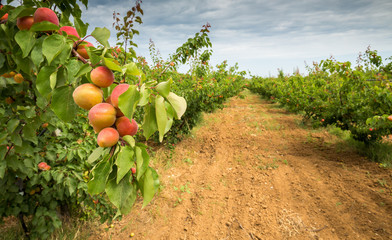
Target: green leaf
[
  {"x": 144, "y": 95},
  {"x": 178, "y": 103},
  {"x": 123, "y": 194},
  {"x": 142, "y": 161},
  {"x": 64, "y": 55},
  {"x": 63, "y": 104},
  {"x": 163, "y": 88},
  {"x": 128, "y": 101},
  {"x": 170, "y": 115},
  {"x": 86, "y": 68},
  {"x": 102, "y": 36},
  {"x": 20, "y": 11},
  {"x": 16, "y": 139},
  {"x": 2, "y": 60},
  {"x": 3, "y": 164},
  {"x": 12, "y": 125},
  {"x": 29, "y": 132},
  {"x": 3, "y": 137},
  {"x": 53, "y": 46},
  {"x": 130, "y": 140},
  {"x": 81, "y": 27},
  {"x": 161, "y": 116},
  {"x": 109, "y": 62},
  {"x": 62, "y": 77},
  {"x": 44, "y": 26},
  {"x": 3, "y": 151},
  {"x": 95, "y": 155},
  {"x": 147, "y": 187},
  {"x": 124, "y": 162},
  {"x": 72, "y": 185},
  {"x": 132, "y": 69},
  {"x": 73, "y": 66},
  {"x": 100, "y": 174},
  {"x": 36, "y": 53},
  {"x": 26, "y": 41},
  {"x": 156, "y": 179},
  {"x": 149, "y": 122},
  {"x": 53, "y": 80}
]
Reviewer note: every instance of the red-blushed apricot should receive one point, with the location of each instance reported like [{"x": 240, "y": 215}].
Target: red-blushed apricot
[
  {"x": 69, "y": 30},
  {"x": 87, "y": 95},
  {"x": 102, "y": 76},
  {"x": 117, "y": 91},
  {"x": 9, "y": 75},
  {"x": 101, "y": 116},
  {"x": 118, "y": 111},
  {"x": 389, "y": 118},
  {"x": 5, "y": 16},
  {"x": 108, "y": 137},
  {"x": 25, "y": 23},
  {"x": 45, "y": 14},
  {"x": 126, "y": 127},
  {"x": 43, "y": 166},
  {"x": 18, "y": 78},
  {"x": 9, "y": 100},
  {"x": 81, "y": 49}
]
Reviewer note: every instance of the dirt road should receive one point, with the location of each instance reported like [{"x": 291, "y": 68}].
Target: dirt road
[{"x": 252, "y": 171}]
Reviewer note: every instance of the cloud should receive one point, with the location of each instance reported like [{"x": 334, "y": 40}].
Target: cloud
[{"x": 252, "y": 32}]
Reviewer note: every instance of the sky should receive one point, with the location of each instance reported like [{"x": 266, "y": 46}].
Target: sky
[{"x": 262, "y": 36}]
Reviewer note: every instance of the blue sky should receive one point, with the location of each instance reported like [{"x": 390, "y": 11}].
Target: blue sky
[{"x": 260, "y": 35}]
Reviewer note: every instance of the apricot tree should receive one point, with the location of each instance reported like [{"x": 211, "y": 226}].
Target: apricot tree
[{"x": 49, "y": 72}]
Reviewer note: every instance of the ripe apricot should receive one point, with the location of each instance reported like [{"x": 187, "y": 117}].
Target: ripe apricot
[{"x": 108, "y": 137}]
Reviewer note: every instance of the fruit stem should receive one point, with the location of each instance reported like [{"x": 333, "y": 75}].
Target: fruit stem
[{"x": 78, "y": 56}]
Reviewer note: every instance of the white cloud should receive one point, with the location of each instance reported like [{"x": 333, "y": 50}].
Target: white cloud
[{"x": 260, "y": 33}]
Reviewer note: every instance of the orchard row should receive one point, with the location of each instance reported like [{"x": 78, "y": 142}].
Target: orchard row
[{"x": 357, "y": 98}]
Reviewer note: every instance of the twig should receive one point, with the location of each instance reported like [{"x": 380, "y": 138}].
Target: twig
[
  {"x": 318, "y": 230},
  {"x": 250, "y": 235},
  {"x": 78, "y": 56}
]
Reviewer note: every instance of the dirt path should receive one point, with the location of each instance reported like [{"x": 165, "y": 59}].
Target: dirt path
[{"x": 252, "y": 172}]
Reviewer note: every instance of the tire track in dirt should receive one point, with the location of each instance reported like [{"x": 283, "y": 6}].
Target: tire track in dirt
[{"x": 251, "y": 172}]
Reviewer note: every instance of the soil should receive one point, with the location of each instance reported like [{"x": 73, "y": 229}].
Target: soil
[{"x": 254, "y": 171}]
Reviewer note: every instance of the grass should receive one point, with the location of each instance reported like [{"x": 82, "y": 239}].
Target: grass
[
  {"x": 72, "y": 229},
  {"x": 380, "y": 152}
]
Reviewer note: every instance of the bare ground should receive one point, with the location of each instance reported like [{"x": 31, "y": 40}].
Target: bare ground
[{"x": 251, "y": 171}]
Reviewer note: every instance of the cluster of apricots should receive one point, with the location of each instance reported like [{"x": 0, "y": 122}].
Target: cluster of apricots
[
  {"x": 41, "y": 15},
  {"x": 104, "y": 116}
]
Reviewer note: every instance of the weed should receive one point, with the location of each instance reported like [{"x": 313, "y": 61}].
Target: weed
[
  {"x": 183, "y": 189},
  {"x": 188, "y": 160}
]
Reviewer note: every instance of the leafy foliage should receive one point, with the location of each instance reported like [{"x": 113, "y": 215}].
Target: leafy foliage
[
  {"x": 357, "y": 99},
  {"x": 47, "y": 138}
]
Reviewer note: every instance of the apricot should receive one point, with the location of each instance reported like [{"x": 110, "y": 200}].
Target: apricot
[
  {"x": 118, "y": 111},
  {"x": 25, "y": 23},
  {"x": 126, "y": 127},
  {"x": 9, "y": 75},
  {"x": 9, "y": 100},
  {"x": 117, "y": 91},
  {"x": 5, "y": 16},
  {"x": 70, "y": 31},
  {"x": 81, "y": 49},
  {"x": 87, "y": 95},
  {"x": 101, "y": 116},
  {"x": 102, "y": 76},
  {"x": 107, "y": 137},
  {"x": 45, "y": 14},
  {"x": 18, "y": 78},
  {"x": 43, "y": 166}
]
